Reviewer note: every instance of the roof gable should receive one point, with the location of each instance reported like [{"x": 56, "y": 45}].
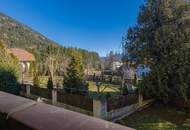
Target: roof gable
[{"x": 22, "y": 55}]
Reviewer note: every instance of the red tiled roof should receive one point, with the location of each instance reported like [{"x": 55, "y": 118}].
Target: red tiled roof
[{"x": 22, "y": 55}]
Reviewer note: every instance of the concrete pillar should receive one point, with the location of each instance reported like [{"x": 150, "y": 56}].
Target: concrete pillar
[
  {"x": 100, "y": 109},
  {"x": 28, "y": 90},
  {"x": 140, "y": 99},
  {"x": 54, "y": 96}
]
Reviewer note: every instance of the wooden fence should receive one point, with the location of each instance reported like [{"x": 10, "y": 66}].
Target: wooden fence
[
  {"x": 75, "y": 100},
  {"x": 181, "y": 103},
  {"x": 42, "y": 92},
  {"x": 121, "y": 101},
  {"x": 106, "y": 109}
]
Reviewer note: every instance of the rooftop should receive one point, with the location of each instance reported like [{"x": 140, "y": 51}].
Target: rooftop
[{"x": 22, "y": 55}]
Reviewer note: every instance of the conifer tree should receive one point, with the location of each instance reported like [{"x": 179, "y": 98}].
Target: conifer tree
[
  {"x": 74, "y": 79},
  {"x": 162, "y": 36},
  {"x": 50, "y": 83}
]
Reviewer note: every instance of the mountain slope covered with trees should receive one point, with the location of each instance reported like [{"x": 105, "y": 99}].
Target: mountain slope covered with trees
[{"x": 15, "y": 34}]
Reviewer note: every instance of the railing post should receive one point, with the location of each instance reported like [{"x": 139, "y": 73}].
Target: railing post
[
  {"x": 100, "y": 109},
  {"x": 54, "y": 96},
  {"x": 28, "y": 90}
]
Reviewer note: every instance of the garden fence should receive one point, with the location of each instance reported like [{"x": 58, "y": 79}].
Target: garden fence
[{"x": 121, "y": 101}]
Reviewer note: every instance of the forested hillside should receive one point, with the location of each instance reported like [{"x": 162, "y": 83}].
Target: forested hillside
[{"x": 15, "y": 34}]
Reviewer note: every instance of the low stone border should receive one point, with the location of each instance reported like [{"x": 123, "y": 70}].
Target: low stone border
[{"x": 120, "y": 113}]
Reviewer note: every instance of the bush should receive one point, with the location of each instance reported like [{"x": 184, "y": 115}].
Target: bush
[
  {"x": 50, "y": 83},
  {"x": 8, "y": 81},
  {"x": 9, "y": 71}
]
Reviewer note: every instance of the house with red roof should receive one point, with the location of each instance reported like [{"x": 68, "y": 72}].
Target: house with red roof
[{"x": 25, "y": 58}]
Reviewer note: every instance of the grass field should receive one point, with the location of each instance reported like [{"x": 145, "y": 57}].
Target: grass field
[
  {"x": 106, "y": 90},
  {"x": 104, "y": 87},
  {"x": 158, "y": 117}
]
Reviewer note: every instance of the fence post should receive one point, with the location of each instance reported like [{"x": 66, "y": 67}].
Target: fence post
[
  {"x": 54, "y": 96},
  {"x": 28, "y": 90},
  {"x": 100, "y": 109},
  {"x": 140, "y": 98}
]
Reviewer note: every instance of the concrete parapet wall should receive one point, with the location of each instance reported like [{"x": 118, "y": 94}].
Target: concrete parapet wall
[
  {"x": 76, "y": 109},
  {"x": 58, "y": 104},
  {"x": 18, "y": 113}
]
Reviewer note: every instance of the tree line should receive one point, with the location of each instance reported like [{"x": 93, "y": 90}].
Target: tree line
[
  {"x": 74, "y": 76},
  {"x": 62, "y": 57}
]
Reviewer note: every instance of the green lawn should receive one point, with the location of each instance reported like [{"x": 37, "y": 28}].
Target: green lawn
[
  {"x": 104, "y": 87},
  {"x": 158, "y": 117},
  {"x": 106, "y": 90}
]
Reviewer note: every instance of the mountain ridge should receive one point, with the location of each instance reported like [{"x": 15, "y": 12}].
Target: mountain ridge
[
  {"x": 14, "y": 24},
  {"x": 17, "y": 35}
]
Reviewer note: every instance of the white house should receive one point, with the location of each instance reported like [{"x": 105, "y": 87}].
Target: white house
[{"x": 116, "y": 65}]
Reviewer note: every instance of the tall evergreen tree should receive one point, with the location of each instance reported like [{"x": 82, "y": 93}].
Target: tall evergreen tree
[
  {"x": 74, "y": 79},
  {"x": 50, "y": 83},
  {"x": 162, "y": 36}
]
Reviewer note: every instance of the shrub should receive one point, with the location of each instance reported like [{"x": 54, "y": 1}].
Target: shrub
[
  {"x": 50, "y": 83},
  {"x": 9, "y": 71}
]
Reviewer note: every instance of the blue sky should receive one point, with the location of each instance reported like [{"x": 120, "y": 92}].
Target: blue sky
[{"x": 96, "y": 25}]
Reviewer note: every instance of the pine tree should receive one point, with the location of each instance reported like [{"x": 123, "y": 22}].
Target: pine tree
[
  {"x": 50, "y": 83},
  {"x": 74, "y": 79}
]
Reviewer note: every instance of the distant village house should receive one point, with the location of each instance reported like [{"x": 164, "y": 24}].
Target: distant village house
[
  {"x": 116, "y": 65},
  {"x": 25, "y": 58}
]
